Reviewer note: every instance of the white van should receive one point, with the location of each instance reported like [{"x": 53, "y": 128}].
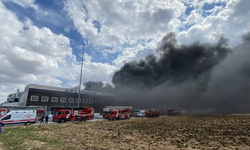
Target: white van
[
  {"x": 139, "y": 113},
  {"x": 18, "y": 117}
]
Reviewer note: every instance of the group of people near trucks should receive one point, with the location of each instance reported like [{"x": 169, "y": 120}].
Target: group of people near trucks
[{"x": 45, "y": 118}]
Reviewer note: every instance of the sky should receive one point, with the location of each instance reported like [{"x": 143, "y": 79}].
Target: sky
[{"x": 41, "y": 41}]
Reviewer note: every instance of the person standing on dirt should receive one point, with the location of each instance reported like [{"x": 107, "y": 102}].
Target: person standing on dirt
[
  {"x": 76, "y": 118},
  {"x": 46, "y": 119},
  {"x": 41, "y": 119},
  {"x": 1, "y": 128},
  {"x": 50, "y": 117}
]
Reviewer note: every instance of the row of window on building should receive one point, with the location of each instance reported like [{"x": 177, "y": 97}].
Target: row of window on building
[{"x": 63, "y": 100}]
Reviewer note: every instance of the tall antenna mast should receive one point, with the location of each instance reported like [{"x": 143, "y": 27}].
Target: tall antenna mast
[{"x": 79, "y": 94}]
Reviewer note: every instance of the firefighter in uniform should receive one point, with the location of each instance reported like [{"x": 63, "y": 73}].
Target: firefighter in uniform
[{"x": 1, "y": 129}]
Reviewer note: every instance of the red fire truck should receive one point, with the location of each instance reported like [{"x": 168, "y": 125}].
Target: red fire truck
[
  {"x": 39, "y": 114},
  {"x": 152, "y": 113},
  {"x": 73, "y": 114},
  {"x": 174, "y": 112},
  {"x": 117, "y": 112}
]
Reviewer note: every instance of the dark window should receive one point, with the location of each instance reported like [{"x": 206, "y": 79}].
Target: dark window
[
  {"x": 71, "y": 100},
  {"x": 63, "y": 100},
  {"x": 67, "y": 112},
  {"x": 78, "y": 100},
  {"x": 7, "y": 117},
  {"x": 54, "y": 99},
  {"x": 91, "y": 101},
  {"x": 97, "y": 101},
  {"x": 59, "y": 112},
  {"x": 34, "y": 98},
  {"x": 16, "y": 100},
  {"x": 45, "y": 99}
]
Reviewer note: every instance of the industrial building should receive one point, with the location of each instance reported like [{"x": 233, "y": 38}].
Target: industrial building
[{"x": 48, "y": 96}]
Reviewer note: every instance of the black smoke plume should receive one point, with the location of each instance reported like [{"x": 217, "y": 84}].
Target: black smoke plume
[
  {"x": 199, "y": 77},
  {"x": 177, "y": 64},
  {"x": 98, "y": 86}
]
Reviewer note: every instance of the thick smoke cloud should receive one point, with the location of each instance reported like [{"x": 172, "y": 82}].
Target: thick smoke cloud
[
  {"x": 93, "y": 86},
  {"x": 177, "y": 64},
  {"x": 200, "y": 77},
  {"x": 98, "y": 86}
]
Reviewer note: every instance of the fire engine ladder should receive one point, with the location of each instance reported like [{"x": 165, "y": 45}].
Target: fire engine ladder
[{"x": 119, "y": 107}]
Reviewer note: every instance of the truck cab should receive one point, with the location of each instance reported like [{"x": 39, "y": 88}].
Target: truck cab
[
  {"x": 62, "y": 115},
  {"x": 173, "y": 112},
  {"x": 117, "y": 112},
  {"x": 111, "y": 114},
  {"x": 73, "y": 114},
  {"x": 152, "y": 113}
]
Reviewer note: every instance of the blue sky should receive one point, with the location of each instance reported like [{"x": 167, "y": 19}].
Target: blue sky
[
  {"x": 47, "y": 36},
  {"x": 57, "y": 21}
]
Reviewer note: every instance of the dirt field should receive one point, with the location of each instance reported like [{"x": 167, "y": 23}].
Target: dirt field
[{"x": 178, "y": 132}]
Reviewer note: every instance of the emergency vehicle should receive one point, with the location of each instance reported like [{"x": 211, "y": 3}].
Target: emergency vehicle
[
  {"x": 3, "y": 111},
  {"x": 73, "y": 114},
  {"x": 139, "y": 113},
  {"x": 117, "y": 112},
  {"x": 40, "y": 110},
  {"x": 152, "y": 113},
  {"x": 174, "y": 112},
  {"x": 18, "y": 117}
]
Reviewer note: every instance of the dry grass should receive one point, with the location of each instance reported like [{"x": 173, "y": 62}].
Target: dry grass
[{"x": 180, "y": 132}]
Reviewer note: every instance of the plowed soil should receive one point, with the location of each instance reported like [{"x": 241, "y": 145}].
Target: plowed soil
[
  {"x": 163, "y": 133},
  {"x": 178, "y": 132}
]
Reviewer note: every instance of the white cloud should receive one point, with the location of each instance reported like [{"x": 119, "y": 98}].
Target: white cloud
[
  {"x": 37, "y": 55},
  {"x": 28, "y": 3},
  {"x": 23, "y": 3},
  {"x": 194, "y": 17},
  {"x": 121, "y": 21},
  {"x": 7, "y": 89},
  {"x": 48, "y": 79},
  {"x": 135, "y": 53},
  {"x": 127, "y": 22},
  {"x": 242, "y": 8},
  {"x": 43, "y": 40},
  {"x": 27, "y": 52},
  {"x": 226, "y": 21},
  {"x": 68, "y": 28},
  {"x": 198, "y": 4},
  {"x": 31, "y": 54}
]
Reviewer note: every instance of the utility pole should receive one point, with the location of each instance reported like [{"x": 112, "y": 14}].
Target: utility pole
[{"x": 79, "y": 93}]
